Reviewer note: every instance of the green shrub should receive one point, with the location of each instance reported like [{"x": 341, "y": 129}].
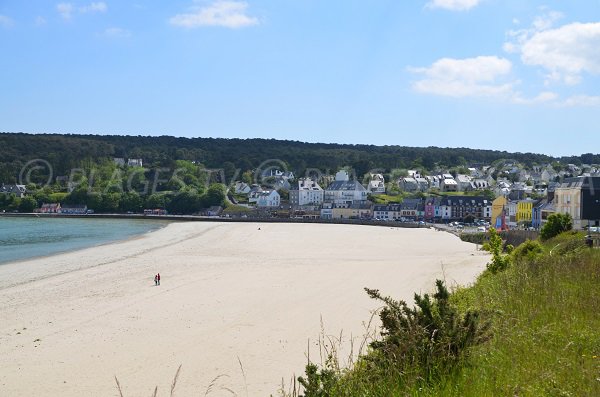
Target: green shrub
[
  {"x": 556, "y": 224},
  {"x": 529, "y": 250},
  {"x": 499, "y": 261},
  {"x": 428, "y": 339}
]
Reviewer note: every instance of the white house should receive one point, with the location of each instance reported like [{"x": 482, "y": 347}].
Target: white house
[
  {"x": 343, "y": 191},
  {"x": 449, "y": 185},
  {"x": 434, "y": 181},
  {"x": 135, "y": 162},
  {"x": 268, "y": 198},
  {"x": 463, "y": 182},
  {"x": 376, "y": 184},
  {"x": 308, "y": 192}
]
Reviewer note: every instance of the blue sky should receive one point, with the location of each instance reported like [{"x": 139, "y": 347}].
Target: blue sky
[{"x": 511, "y": 75}]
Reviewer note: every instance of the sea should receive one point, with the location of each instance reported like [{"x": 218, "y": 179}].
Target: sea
[{"x": 29, "y": 237}]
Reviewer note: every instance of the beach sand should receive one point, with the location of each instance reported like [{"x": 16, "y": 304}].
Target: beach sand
[{"x": 230, "y": 293}]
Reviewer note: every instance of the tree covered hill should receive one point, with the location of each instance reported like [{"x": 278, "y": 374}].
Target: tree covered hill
[{"x": 65, "y": 152}]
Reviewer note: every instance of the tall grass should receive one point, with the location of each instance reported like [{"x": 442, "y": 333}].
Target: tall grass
[{"x": 544, "y": 340}]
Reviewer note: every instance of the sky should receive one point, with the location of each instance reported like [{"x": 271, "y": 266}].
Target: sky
[{"x": 515, "y": 75}]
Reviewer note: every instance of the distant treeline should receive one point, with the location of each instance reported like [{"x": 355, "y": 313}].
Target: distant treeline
[{"x": 65, "y": 152}]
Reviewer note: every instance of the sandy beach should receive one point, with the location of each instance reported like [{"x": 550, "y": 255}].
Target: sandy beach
[{"x": 230, "y": 293}]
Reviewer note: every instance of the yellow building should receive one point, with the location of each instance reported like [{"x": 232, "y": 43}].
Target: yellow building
[
  {"x": 524, "y": 211},
  {"x": 498, "y": 206},
  {"x": 354, "y": 211}
]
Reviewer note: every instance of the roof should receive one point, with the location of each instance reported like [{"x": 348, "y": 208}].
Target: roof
[
  {"x": 586, "y": 182},
  {"x": 346, "y": 185},
  {"x": 466, "y": 200}
]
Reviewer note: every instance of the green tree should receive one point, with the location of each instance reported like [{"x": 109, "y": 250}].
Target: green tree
[
  {"x": 556, "y": 224},
  {"x": 27, "y": 204},
  {"x": 499, "y": 261},
  {"x": 131, "y": 202},
  {"x": 186, "y": 202},
  {"x": 215, "y": 195},
  {"x": 156, "y": 200}
]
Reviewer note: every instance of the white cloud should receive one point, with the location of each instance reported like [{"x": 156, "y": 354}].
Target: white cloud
[
  {"x": 229, "y": 14},
  {"x": 5, "y": 21},
  {"x": 117, "y": 33},
  {"x": 542, "y": 97},
  {"x": 40, "y": 21},
  {"x": 471, "y": 77},
  {"x": 65, "y": 10},
  {"x": 455, "y": 5},
  {"x": 94, "y": 7},
  {"x": 582, "y": 100},
  {"x": 565, "y": 52}
]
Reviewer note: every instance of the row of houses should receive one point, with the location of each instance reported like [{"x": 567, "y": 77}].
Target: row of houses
[
  {"x": 579, "y": 197},
  {"x": 57, "y": 208}
]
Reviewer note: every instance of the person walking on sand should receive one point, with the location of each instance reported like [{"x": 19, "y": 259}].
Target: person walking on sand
[
  {"x": 155, "y": 280},
  {"x": 158, "y": 278}
]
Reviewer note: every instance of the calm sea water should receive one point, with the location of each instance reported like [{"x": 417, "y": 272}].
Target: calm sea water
[{"x": 23, "y": 238}]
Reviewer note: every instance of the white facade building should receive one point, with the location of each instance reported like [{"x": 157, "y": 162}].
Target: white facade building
[{"x": 308, "y": 192}]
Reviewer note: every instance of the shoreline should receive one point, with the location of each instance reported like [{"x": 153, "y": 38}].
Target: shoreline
[
  {"x": 252, "y": 292},
  {"x": 202, "y": 218},
  {"x": 66, "y": 251}
]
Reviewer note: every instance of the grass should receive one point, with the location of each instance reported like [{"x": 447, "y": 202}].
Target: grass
[
  {"x": 544, "y": 334},
  {"x": 385, "y": 199}
]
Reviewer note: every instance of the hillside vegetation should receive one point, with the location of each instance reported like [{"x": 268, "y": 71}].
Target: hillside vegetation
[{"x": 65, "y": 152}]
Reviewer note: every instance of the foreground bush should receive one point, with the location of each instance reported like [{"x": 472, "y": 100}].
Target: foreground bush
[{"x": 417, "y": 345}]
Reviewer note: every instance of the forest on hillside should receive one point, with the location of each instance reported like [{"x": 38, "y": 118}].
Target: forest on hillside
[{"x": 65, "y": 152}]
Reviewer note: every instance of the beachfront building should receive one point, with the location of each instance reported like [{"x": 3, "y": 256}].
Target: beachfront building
[
  {"x": 465, "y": 208},
  {"x": 50, "y": 208},
  {"x": 580, "y": 198},
  {"x": 78, "y": 209},
  {"x": 412, "y": 209},
  {"x": 327, "y": 211},
  {"x": 343, "y": 191},
  {"x": 524, "y": 212},
  {"x": 539, "y": 213},
  {"x": 268, "y": 199},
  {"x": 498, "y": 211},
  {"x": 307, "y": 192},
  {"x": 353, "y": 211}
]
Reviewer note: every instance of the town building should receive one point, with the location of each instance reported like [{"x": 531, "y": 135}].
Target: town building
[
  {"x": 376, "y": 184},
  {"x": 268, "y": 198},
  {"x": 344, "y": 191},
  {"x": 307, "y": 192},
  {"x": 17, "y": 190}
]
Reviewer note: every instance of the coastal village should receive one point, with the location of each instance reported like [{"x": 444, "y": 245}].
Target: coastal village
[
  {"x": 517, "y": 199},
  {"x": 505, "y": 196}
]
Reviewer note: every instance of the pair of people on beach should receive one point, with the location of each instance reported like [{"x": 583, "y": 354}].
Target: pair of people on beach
[{"x": 157, "y": 279}]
